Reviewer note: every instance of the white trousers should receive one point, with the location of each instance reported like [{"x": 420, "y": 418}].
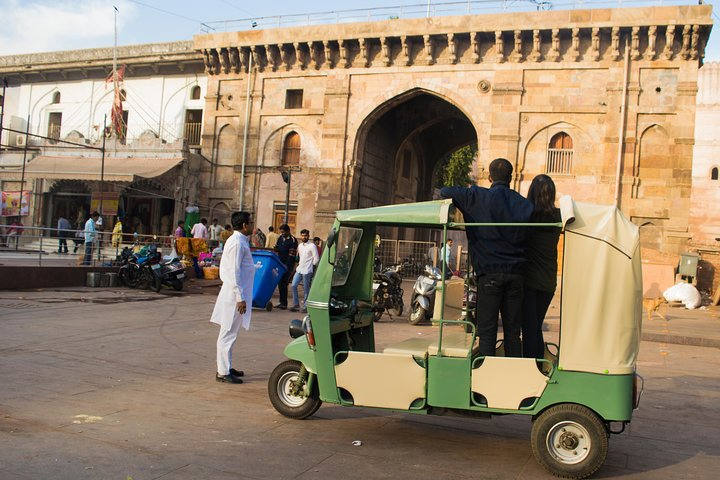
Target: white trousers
[{"x": 226, "y": 340}]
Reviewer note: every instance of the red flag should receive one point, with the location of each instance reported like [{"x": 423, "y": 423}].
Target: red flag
[{"x": 120, "y": 75}]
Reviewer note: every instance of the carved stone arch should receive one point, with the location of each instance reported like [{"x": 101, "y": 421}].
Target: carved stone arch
[
  {"x": 222, "y": 211},
  {"x": 433, "y": 123},
  {"x": 273, "y": 147},
  {"x": 655, "y": 162},
  {"x": 390, "y": 98},
  {"x": 74, "y": 186},
  {"x": 228, "y": 155},
  {"x": 534, "y": 149}
]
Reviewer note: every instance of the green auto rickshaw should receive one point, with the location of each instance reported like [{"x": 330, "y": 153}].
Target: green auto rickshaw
[{"x": 582, "y": 391}]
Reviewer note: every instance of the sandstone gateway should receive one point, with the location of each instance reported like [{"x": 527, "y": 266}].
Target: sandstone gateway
[{"x": 362, "y": 112}]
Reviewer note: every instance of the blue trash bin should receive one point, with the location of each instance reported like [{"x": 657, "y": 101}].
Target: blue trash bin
[{"x": 268, "y": 270}]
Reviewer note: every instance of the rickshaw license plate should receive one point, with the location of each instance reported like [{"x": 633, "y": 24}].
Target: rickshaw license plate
[{"x": 181, "y": 275}]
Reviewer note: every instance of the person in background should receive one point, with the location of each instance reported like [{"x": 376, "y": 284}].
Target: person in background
[
  {"x": 286, "y": 249},
  {"x": 308, "y": 258},
  {"x": 199, "y": 230},
  {"x": 15, "y": 229},
  {"x": 214, "y": 232},
  {"x": 90, "y": 237},
  {"x": 117, "y": 233},
  {"x": 498, "y": 254},
  {"x": 64, "y": 232},
  {"x": 272, "y": 238},
  {"x": 180, "y": 230},
  {"x": 446, "y": 255},
  {"x": 225, "y": 234},
  {"x": 258, "y": 239},
  {"x": 541, "y": 270},
  {"x": 233, "y": 305},
  {"x": 319, "y": 244}
]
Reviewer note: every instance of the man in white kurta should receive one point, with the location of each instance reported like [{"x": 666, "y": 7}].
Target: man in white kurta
[{"x": 234, "y": 303}]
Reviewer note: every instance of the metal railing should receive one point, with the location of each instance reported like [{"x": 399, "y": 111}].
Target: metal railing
[
  {"x": 191, "y": 133},
  {"x": 52, "y": 247},
  {"x": 559, "y": 160},
  {"x": 420, "y": 10}
]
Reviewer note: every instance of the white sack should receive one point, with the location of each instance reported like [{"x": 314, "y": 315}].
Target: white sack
[{"x": 685, "y": 293}]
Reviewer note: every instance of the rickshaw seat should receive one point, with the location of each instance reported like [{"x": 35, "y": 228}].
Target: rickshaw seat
[
  {"x": 456, "y": 344},
  {"x": 415, "y": 346}
]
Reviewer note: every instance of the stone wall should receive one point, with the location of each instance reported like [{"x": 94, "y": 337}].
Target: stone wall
[{"x": 513, "y": 80}]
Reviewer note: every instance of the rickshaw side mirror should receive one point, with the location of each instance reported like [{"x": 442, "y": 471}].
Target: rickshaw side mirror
[{"x": 331, "y": 246}]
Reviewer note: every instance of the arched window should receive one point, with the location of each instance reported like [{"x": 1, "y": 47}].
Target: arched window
[
  {"x": 560, "y": 154},
  {"x": 714, "y": 173},
  {"x": 195, "y": 93},
  {"x": 291, "y": 149},
  {"x": 56, "y": 97}
]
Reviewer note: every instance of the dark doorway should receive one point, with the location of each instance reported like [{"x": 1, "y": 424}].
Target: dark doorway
[{"x": 400, "y": 144}]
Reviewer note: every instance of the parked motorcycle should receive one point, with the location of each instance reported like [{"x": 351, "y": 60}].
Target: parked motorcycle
[
  {"x": 149, "y": 268},
  {"x": 388, "y": 292},
  {"x": 423, "y": 297}
]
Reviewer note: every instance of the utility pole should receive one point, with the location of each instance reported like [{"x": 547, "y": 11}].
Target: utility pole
[{"x": 22, "y": 176}]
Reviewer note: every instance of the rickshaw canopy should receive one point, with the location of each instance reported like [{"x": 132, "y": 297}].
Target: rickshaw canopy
[
  {"x": 435, "y": 213},
  {"x": 601, "y": 297}
]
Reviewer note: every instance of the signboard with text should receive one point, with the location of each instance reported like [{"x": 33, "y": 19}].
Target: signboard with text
[
  {"x": 110, "y": 202},
  {"x": 11, "y": 205}
]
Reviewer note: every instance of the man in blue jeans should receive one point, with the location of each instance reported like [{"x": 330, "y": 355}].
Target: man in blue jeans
[
  {"x": 498, "y": 255},
  {"x": 308, "y": 258}
]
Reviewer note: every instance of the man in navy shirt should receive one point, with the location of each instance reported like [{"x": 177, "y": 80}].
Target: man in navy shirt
[
  {"x": 286, "y": 249},
  {"x": 498, "y": 255}
]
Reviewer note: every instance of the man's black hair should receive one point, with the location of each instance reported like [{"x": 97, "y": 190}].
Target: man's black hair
[
  {"x": 95, "y": 214},
  {"x": 203, "y": 220},
  {"x": 304, "y": 230},
  {"x": 501, "y": 170},
  {"x": 271, "y": 229},
  {"x": 181, "y": 222},
  {"x": 284, "y": 227},
  {"x": 238, "y": 219}
]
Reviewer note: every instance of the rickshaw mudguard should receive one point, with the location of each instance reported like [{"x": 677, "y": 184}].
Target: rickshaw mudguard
[
  {"x": 610, "y": 396},
  {"x": 299, "y": 350}
]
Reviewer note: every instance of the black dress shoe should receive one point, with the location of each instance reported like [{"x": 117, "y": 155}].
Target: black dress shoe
[
  {"x": 281, "y": 306},
  {"x": 237, "y": 373},
  {"x": 227, "y": 378}
]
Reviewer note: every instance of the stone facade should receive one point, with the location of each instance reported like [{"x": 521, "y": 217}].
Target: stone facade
[
  {"x": 705, "y": 204},
  {"x": 383, "y": 102}
]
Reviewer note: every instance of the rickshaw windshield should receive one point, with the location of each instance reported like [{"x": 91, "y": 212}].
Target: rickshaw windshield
[{"x": 348, "y": 239}]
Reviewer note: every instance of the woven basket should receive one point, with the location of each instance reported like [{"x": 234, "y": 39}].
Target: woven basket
[{"x": 211, "y": 273}]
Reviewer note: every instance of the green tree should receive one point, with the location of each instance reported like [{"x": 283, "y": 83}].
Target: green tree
[{"x": 456, "y": 168}]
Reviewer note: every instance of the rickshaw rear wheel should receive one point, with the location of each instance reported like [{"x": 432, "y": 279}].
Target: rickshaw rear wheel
[
  {"x": 282, "y": 380},
  {"x": 570, "y": 441}
]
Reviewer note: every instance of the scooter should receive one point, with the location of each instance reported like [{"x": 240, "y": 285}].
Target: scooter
[
  {"x": 169, "y": 272},
  {"x": 422, "y": 301},
  {"x": 387, "y": 292}
]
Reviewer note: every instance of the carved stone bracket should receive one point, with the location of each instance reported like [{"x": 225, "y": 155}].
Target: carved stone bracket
[
  {"x": 586, "y": 43},
  {"x": 554, "y": 53},
  {"x": 516, "y": 55},
  {"x": 535, "y": 55},
  {"x": 499, "y": 47}
]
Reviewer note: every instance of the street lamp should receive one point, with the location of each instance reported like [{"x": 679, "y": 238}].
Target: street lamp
[{"x": 286, "y": 176}]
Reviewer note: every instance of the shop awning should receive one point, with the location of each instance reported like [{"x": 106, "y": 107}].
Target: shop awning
[{"x": 88, "y": 168}]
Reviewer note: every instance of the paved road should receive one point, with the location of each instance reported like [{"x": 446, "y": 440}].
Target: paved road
[{"x": 118, "y": 384}]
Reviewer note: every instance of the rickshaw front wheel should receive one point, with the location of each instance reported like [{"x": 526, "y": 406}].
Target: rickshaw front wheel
[
  {"x": 288, "y": 378},
  {"x": 570, "y": 441}
]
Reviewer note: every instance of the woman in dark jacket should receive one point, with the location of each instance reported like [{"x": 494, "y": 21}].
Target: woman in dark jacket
[{"x": 541, "y": 271}]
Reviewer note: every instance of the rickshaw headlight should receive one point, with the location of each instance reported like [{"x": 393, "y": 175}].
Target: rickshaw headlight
[{"x": 296, "y": 328}]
